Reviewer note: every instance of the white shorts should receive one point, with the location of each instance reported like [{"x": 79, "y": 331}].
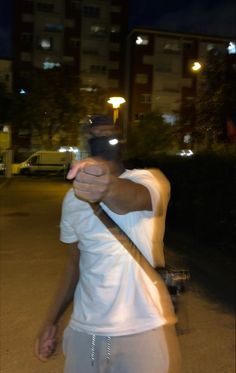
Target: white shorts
[{"x": 154, "y": 351}]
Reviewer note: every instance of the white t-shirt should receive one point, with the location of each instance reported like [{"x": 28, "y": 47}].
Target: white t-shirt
[{"x": 114, "y": 295}]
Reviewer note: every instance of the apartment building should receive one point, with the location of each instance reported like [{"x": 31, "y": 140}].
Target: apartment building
[
  {"x": 84, "y": 35},
  {"x": 164, "y": 71}
]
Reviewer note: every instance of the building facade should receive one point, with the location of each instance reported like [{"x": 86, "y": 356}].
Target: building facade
[
  {"x": 164, "y": 72},
  {"x": 88, "y": 36}
]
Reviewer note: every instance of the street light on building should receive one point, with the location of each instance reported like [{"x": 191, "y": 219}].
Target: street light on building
[
  {"x": 116, "y": 102},
  {"x": 196, "y": 66}
]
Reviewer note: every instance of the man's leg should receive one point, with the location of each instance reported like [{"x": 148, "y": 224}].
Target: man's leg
[{"x": 154, "y": 351}]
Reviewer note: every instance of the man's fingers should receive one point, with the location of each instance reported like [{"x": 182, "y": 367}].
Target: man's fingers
[
  {"x": 94, "y": 170},
  {"x": 89, "y": 166},
  {"x": 73, "y": 171}
]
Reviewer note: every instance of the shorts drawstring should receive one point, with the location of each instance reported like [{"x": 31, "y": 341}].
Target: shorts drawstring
[
  {"x": 93, "y": 346},
  {"x": 108, "y": 348}
]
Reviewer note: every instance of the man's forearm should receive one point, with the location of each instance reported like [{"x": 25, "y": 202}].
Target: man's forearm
[
  {"x": 65, "y": 293},
  {"x": 125, "y": 196}
]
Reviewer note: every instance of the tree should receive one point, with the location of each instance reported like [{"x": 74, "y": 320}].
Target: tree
[
  {"x": 53, "y": 108},
  {"x": 216, "y": 98},
  {"x": 150, "y": 135}
]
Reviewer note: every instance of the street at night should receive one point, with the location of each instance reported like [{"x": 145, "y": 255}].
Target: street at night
[{"x": 32, "y": 259}]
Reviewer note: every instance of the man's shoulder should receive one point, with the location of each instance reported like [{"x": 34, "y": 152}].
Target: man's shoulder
[{"x": 148, "y": 173}]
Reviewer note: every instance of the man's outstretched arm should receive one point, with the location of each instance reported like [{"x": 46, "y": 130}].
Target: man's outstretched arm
[{"x": 96, "y": 181}]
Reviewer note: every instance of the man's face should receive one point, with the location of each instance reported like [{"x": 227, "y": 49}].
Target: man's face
[
  {"x": 103, "y": 130},
  {"x": 99, "y": 142}
]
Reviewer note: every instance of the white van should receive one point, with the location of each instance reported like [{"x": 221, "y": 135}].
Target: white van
[{"x": 46, "y": 161}]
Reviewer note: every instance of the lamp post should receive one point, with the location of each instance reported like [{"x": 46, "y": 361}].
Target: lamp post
[{"x": 116, "y": 102}]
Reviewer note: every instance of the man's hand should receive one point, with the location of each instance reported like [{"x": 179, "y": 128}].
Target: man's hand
[
  {"x": 92, "y": 179},
  {"x": 46, "y": 343}
]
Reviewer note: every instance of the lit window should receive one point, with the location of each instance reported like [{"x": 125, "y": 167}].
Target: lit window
[
  {"x": 210, "y": 47},
  {"x": 45, "y": 44},
  {"x": 232, "y": 48},
  {"x": 171, "y": 47},
  {"x": 98, "y": 29},
  {"x": 142, "y": 40},
  {"x": 169, "y": 118},
  {"x": 47, "y": 64}
]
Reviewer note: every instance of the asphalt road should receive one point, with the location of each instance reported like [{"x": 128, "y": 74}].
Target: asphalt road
[{"x": 31, "y": 262}]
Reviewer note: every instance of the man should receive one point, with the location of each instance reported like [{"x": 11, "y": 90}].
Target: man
[{"x": 122, "y": 322}]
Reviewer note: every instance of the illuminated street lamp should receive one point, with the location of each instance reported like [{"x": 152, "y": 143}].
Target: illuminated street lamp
[
  {"x": 116, "y": 102},
  {"x": 196, "y": 66}
]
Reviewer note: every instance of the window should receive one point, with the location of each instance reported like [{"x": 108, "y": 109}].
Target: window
[
  {"x": 70, "y": 23},
  {"x": 69, "y": 60},
  {"x": 115, "y": 47},
  {"x": 142, "y": 40},
  {"x": 47, "y": 64},
  {"x": 164, "y": 66},
  {"x": 27, "y": 18},
  {"x": 91, "y": 52},
  {"x": 98, "y": 30},
  {"x": 45, "y": 43},
  {"x": 98, "y": 69},
  {"x": 115, "y": 29},
  {"x": 146, "y": 98},
  {"x": 75, "y": 4},
  {"x": 113, "y": 83},
  {"x": 148, "y": 60},
  {"x": 171, "y": 87},
  {"x": 74, "y": 42},
  {"x": 34, "y": 160},
  {"x": 53, "y": 27},
  {"x": 91, "y": 11},
  {"x": 26, "y": 38},
  {"x": 114, "y": 65},
  {"x": 45, "y": 7},
  {"x": 141, "y": 79},
  {"x": 115, "y": 9},
  {"x": 171, "y": 47},
  {"x": 26, "y": 57},
  {"x": 232, "y": 48}
]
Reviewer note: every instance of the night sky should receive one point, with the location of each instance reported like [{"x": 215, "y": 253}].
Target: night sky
[{"x": 212, "y": 17}]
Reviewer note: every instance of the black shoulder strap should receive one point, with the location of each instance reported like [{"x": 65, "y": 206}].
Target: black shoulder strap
[
  {"x": 156, "y": 278},
  {"x": 129, "y": 245}
]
